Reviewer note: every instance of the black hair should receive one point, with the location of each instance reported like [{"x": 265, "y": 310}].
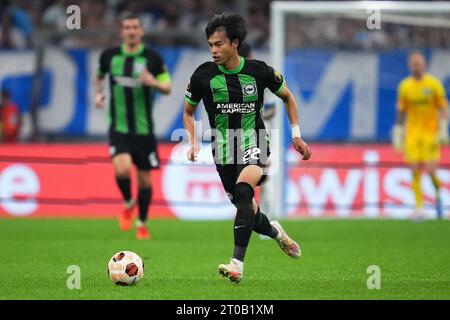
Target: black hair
[
  {"x": 130, "y": 16},
  {"x": 233, "y": 24},
  {"x": 245, "y": 50}
]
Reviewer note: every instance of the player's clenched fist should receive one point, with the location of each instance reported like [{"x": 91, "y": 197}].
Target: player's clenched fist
[
  {"x": 302, "y": 148},
  {"x": 147, "y": 78},
  {"x": 99, "y": 100}
]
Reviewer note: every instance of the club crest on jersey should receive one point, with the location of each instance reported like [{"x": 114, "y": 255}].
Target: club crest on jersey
[
  {"x": 426, "y": 92},
  {"x": 249, "y": 89},
  {"x": 138, "y": 68}
]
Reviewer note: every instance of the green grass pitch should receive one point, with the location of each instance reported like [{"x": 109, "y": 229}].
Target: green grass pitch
[{"x": 181, "y": 260}]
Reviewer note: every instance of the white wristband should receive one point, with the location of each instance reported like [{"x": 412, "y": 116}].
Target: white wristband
[{"x": 295, "y": 129}]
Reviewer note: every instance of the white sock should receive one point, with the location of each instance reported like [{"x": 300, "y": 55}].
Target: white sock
[
  {"x": 140, "y": 223},
  {"x": 129, "y": 204}
]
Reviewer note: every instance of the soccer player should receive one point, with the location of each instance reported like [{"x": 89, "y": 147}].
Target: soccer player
[
  {"x": 268, "y": 113},
  {"x": 135, "y": 74},
  {"x": 232, "y": 90},
  {"x": 421, "y": 126}
]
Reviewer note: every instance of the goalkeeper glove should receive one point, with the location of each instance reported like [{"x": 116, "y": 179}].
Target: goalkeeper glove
[
  {"x": 397, "y": 137},
  {"x": 443, "y": 131}
]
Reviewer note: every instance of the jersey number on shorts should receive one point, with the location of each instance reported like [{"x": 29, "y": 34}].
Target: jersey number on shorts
[{"x": 251, "y": 154}]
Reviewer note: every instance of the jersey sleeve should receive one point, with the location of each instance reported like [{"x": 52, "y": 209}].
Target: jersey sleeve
[
  {"x": 161, "y": 71},
  {"x": 194, "y": 92},
  {"x": 103, "y": 64},
  {"x": 401, "y": 97},
  {"x": 274, "y": 79},
  {"x": 440, "y": 94}
]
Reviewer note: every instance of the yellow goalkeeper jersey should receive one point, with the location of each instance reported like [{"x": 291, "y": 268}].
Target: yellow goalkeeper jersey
[{"x": 421, "y": 101}]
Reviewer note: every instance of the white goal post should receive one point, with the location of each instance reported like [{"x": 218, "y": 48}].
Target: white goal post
[{"x": 391, "y": 11}]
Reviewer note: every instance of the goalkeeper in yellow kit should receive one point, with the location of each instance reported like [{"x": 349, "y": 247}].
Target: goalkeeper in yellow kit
[{"x": 421, "y": 126}]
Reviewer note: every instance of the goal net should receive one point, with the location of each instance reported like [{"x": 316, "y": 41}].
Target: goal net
[{"x": 343, "y": 61}]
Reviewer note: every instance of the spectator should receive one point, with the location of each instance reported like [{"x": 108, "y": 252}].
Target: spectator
[
  {"x": 182, "y": 22},
  {"x": 21, "y": 18},
  {"x": 258, "y": 24},
  {"x": 10, "y": 36},
  {"x": 10, "y": 119},
  {"x": 192, "y": 14},
  {"x": 55, "y": 15}
]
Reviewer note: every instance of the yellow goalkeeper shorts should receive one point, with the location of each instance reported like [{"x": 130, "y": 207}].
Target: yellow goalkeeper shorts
[{"x": 422, "y": 149}]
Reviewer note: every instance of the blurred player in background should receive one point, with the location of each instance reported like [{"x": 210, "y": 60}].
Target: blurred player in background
[
  {"x": 232, "y": 90},
  {"x": 268, "y": 112},
  {"x": 10, "y": 119},
  {"x": 421, "y": 126},
  {"x": 135, "y": 73}
]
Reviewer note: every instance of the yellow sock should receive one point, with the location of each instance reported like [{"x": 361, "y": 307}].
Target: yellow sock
[
  {"x": 436, "y": 182},
  {"x": 417, "y": 190}
]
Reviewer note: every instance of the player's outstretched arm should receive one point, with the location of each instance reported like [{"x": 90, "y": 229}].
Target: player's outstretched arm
[
  {"x": 189, "y": 126},
  {"x": 292, "y": 110}
]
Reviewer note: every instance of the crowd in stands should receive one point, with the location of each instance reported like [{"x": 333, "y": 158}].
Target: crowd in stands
[{"x": 182, "y": 23}]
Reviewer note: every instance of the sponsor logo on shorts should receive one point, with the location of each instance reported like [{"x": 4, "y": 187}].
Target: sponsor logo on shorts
[
  {"x": 153, "y": 159},
  {"x": 112, "y": 150}
]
